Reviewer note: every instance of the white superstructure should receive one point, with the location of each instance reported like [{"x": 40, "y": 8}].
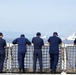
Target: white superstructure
[{"x": 72, "y": 37}]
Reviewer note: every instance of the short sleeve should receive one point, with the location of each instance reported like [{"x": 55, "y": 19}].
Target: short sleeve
[
  {"x": 60, "y": 41},
  {"x": 28, "y": 42},
  {"x": 4, "y": 42},
  {"x": 42, "y": 42},
  {"x": 15, "y": 41},
  {"x": 75, "y": 41}
]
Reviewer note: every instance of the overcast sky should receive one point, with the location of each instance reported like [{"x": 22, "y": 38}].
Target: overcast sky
[{"x": 30, "y": 16}]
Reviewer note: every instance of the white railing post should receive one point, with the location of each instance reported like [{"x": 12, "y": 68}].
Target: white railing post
[
  {"x": 62, "y": 52},
  {"x": 65, "y": 58},
  {"x": 8, "y": 60}
]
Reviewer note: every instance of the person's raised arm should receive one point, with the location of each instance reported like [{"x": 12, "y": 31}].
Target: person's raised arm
[
  {"x": 60, "y": 41},
  {"x": 4, "y": 44},
  {"x": 15, "y": 41},
  {"x": 42, "y": 42},
  {"x": 48, "y": 41},
  {"x": 28, "y": 42}
]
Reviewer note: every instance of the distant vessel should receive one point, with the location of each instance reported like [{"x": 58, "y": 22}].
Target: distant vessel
[
  {"x": 44, "y": 37},
  {"x": 71, "y": 37}
]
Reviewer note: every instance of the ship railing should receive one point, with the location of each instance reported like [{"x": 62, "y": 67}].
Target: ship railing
[{"x": 67, "y": 59}]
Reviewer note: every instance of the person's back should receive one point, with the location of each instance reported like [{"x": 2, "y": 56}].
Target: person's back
[
  {"x": 38, "y": 42},
  {"x": 2, "y": 51},
  {"x": 22, "y": 41},
  {"x": 2, "y": 44},
  {"x": 54, "y": 44}
]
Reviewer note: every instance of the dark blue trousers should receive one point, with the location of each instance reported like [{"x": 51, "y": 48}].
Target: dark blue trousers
[
  {"x": 2, "y": 57},
  {"x": 53, "y": 61},
  {"x": 21, "y": 57},
  {"x": 37, "y": 54}
]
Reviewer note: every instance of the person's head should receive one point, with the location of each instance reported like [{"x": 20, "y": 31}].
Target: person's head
[
  {"x": 22, "y": 35},
  {"x": 38, "y": 34},
  {"x": 55, "y": 34},
  {"x": 1, "y": 35}
]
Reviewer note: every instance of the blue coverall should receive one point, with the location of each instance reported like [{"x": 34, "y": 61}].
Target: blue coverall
[
  {"x": 54, "y": 51},
  {"x": 2, "y": 53},
  {"x": 22, "y": 41},
  {"x": 38, "y": 43}
]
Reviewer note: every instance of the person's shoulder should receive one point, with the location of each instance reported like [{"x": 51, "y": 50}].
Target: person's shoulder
[
  {"x": 3, "y": 39},
  {"x": 51, "y": 37},
  {"x": 34, "y": 37},
  {"x": 75, "y": 39},
  {"x": 41, "y": 38},
  {"x": 59, "y": 38},
  {"x": 17, "y": 38},
  {"x": 22, "y": 38},
  {"x": 26, "y": 38}
]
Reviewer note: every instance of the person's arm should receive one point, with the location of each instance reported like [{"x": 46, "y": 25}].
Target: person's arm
[
  {"x": 28, "y": 42},
  {"x": 32, "y": 41},
  {"x": 5, "y": 44},
  {"x": 15, "y": 41},
  {"x": 42, "y": 42},
  {"x": 60, "y": 41},
  {"x": 48, "y": 41}
]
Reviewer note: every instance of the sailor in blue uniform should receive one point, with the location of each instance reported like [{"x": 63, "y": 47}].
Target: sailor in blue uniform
[
  {"x": 21, "y": 41},
  {"x": 54, "y": 42},
  {"x": 38, "y": 43},
  {"x": 2, "y": 51}
]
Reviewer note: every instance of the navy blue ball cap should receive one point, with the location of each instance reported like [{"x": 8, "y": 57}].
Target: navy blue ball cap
[
  {"x": 1, "y": 34},
  {"x": 22, "y": 35},
  {"x": 38, "y": 34},
  {"x": 55, "y": 33}
]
